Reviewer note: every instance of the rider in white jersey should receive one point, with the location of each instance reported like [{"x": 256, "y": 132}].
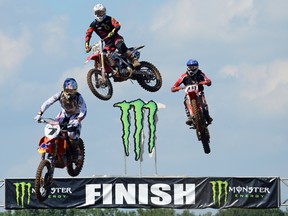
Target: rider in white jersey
[{"x": 73, "y": 108}]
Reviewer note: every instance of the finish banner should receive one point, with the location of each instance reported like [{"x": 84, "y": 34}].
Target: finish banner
[{"x": 147, "y": 192}]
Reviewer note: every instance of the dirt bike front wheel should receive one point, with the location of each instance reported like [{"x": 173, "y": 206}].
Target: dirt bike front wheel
[
  {"x": 100, "y": 88},
  {"x": 202, "y": 131},
  {"x": 43, "y": 180},
  {"x": 74, "y": 168},
  {"x": 150, "y": 78}
]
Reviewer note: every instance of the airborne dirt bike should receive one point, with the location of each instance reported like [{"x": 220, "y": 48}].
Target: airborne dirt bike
[
  {"x": 196, "y": 110},
  {"x": 56, "y": 152},
  {"x": 98, "y": 78}
]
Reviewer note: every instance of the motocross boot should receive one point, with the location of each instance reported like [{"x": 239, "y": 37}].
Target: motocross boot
[
  {"x": 128, "y": 54},
  {"x": 190, "y": 120},
  {"x": 207, "y": 116}
]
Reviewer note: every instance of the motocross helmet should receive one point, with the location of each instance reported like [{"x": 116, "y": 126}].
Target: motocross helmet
[
  {"x": 192, "y": 67},
  {"x": 70, "y": 88},
  {"x": 99, "y": 12}
]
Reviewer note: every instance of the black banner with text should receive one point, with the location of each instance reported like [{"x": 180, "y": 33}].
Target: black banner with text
[{"x": 147, "y": 192}]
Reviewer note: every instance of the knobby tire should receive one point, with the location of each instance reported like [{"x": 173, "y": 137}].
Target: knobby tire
[
  {"x": 75, "y": 168},
  {"x": 93, "y": 79},
  {"x": 42, "y": 181},
  {"x": 151, "y": 80}
]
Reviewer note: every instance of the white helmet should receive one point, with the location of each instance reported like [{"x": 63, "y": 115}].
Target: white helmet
[{"x": 99, "y": 12}]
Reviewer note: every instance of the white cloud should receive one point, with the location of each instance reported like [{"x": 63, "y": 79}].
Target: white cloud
[
  {"x": 197, "y": 19},
  {"x": 265, "y": 86},
  {"x": 13, "y": 52}
]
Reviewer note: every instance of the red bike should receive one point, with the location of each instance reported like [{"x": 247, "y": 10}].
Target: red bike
[
  {"x": 99, "y": 78},
  {"x": 196, "y": 110},
  {"x": 56, "y": 152}
]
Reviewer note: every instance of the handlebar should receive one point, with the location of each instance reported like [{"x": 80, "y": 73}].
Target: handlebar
[
  {"x": 48, "y": 120},
  {"x": 174, "y": 89},
  {"x": 63, "y": 126}
]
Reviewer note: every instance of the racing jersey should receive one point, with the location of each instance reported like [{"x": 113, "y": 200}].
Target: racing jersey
[
  {"x": 76, "y": 106},
  {"x": 185, "y": 79},
  {"x": 103, "y": 28}
]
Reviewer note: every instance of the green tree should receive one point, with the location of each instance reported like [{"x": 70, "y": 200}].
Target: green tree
[{"x": 250, "y": 212}]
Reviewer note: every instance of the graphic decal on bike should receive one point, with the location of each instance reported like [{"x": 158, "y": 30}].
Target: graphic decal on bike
[{"x": 138, "y": 106}]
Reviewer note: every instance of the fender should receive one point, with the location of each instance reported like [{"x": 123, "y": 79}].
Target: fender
[
  {"x": 94, "y": 57},
  {"x": 192, "y": 94}
]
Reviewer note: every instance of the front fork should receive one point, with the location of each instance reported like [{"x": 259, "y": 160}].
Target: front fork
[{"x": 53, "y": 161}]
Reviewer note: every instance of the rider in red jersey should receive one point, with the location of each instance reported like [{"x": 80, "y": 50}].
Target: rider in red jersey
[
  {"x": 193, "y": 75},
  {"x": 107, "y": 28}
]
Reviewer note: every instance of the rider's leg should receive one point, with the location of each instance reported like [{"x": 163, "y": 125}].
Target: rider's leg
[
  {"x": 187, "y": 105},
  {"x": 74, "y": 141},
  {"x": 208, "y": 118},
  {"x": 121, "y": 46}
]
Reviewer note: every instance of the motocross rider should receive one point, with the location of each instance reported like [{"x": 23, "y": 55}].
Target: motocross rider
[
  {"x": 107, "y": 28},
  {"x": 193, "y": 75},
  {"x": 73, "y": 110}
]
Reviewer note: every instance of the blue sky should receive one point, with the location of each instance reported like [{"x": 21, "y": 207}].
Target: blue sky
[{"x": 240, "y": 45}]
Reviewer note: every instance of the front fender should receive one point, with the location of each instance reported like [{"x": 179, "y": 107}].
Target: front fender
[
  {"x": 192, "y": 94},
  {"x": 92, "y": 57}
]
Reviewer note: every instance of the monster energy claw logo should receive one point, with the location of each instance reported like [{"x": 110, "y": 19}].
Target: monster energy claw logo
[
  {"x": 21, "y": 188},
  {"x": 139, "y": 109},
  {"x": 219, "y": 188}
]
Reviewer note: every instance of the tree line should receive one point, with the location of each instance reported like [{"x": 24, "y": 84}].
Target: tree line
[{"x": 142, "y": 212}]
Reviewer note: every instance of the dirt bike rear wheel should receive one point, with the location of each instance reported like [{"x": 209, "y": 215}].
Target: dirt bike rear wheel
[
  {"x": 101, "y": 90},
  {"x": 151, "y": 80},
  {"x": 75, "y": 168},
  {"x": 43, "y": 180}
]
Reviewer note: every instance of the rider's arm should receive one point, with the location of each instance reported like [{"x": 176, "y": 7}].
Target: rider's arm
[
  {"x": 49, "y": 102},
  {"x": 89, "y": 34},
  {"x": 206, "y": 80},
  {"x": 176, "y": 86},
  {"x": 82, "y": 107},
  {"x": 116, "y": 25}
]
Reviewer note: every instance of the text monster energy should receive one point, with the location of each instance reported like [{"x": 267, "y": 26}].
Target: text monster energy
[
  {"x": 23, "y": 190},
  {"x": 139, "y": 107},
  {"x": 219, "y": 188}
]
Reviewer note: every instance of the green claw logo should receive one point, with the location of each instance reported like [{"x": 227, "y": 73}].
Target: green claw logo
[
  {"x": 138, "y": 107},
  {"x": 219, "y": 188},
  {"x": 21, "y": 188}
]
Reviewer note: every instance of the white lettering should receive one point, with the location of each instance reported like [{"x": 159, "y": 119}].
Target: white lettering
[
  {"x": 107, "y": 194},
  {"x": 158, "y": 194},
  {"x": 180, "y": 193},
  {"x": 163, "y": 197},
  {"x": 61, "y": 190},
  {"x": 123, "y": 193},
  {"x": 91, "y": 193},
  {"x": 143, "y": 194}
]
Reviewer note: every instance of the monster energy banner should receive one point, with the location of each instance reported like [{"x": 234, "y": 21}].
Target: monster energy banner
[{"x": 147, "y": 192}]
